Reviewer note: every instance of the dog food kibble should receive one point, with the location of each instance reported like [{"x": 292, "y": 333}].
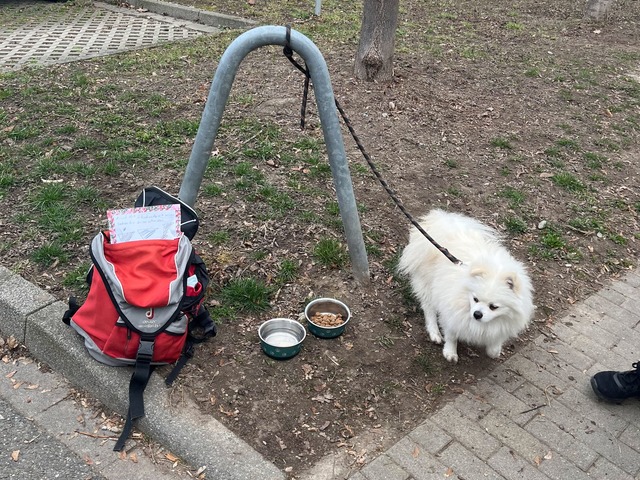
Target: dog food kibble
[{"x": 327, "y": 319}]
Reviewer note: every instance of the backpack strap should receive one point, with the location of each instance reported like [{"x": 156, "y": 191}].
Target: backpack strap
[
  {"x": 206, "y": 329},
  {"x": 73, "y": 308},
  {"x": 139, "y": 380}
]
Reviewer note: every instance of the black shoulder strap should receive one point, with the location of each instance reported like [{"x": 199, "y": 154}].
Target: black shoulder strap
[
  {"x": 139, "y": 380},
  {"x": 201, "y": 327},
  {"x": 73, "y": 308}
]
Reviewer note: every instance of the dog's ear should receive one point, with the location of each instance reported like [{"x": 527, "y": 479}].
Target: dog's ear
[{"x": 512, "y": 282}]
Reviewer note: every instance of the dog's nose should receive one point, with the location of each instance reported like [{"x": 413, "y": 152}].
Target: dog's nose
[{"x": 477, "y": 314}]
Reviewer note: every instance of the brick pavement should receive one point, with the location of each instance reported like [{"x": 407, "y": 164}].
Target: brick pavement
[{"x": 535, "y": 416}]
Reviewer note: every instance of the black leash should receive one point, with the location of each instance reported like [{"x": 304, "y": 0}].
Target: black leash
[{"x": 288, "y": 52}]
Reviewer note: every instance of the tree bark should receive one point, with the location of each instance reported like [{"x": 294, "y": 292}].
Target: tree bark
[
  {"x": 597, "y": 9},
  {"x": 374, "y": 58}
]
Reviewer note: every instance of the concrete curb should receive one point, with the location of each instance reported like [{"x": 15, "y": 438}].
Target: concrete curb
[
  {"x": 192, "y": 14},
  {"x": 34, "y": 317}
]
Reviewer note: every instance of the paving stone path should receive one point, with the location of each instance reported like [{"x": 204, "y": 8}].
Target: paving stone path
[{"x": 44, "y": 33}]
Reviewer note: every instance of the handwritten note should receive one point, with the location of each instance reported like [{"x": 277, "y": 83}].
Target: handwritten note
[{"x": 144, "y": 223}]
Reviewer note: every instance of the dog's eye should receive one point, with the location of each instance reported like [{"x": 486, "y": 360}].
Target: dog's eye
[
  {"x": 475, "y": 299},
  {"x": 493, "y": 307}
]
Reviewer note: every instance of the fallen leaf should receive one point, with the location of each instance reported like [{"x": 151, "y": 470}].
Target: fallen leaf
[
  {"x": 548, "y": 456},
  {"x": 171, "y": 457},
  {"x": 11, "y": 374},
  {"x": 415, "y": 453},
  {"x": 537, "y": 460},
  {"x": 449, "y": 472},
  {"x": 15, "y": 455},
  {"x": 134, "y": 457}
]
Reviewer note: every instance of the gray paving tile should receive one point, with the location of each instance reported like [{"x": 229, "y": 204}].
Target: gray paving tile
[
  {"x": 514, "y": 436},
  {"x": 605, "y": 470},
  {"x": 615, "y": 293},
  {"x": 588, "y": 407},
  {"x": 563, "y": 331},
  {"x": 629, "y": 350},
  {"x": 494, "y": 396},
  {"x": 465, "y": 464},
  {"x": 632, "y": 279},
  {"x": 604, "y": 306},
  {"x": 357, "y": 476},
  {"x": 548, "y": 360},
  {"x": 456, "y": 424},
  {"x": 593, "y": 436},
  {"x": 559, "y": 468},
  {"x": 587, "y": 322},
  {"x": 631, "y": 436},
  {"x": 430, "y": 437},
  {"x": 513, "y": 467},
  {"x": 507, "y": 375},
  {"x": 560, "y": 440},
  {"x": 418, "y": 462},
  {"x": 587, "y": 351},
  {"x": 383, "y": 468}
]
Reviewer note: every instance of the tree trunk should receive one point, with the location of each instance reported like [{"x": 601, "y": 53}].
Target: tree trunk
[
  {"x": 597, "y": 9},
  {"x": 374, "y": 58}
]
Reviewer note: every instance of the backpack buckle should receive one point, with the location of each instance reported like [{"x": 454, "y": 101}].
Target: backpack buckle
[{"x": 145, "y": 350}]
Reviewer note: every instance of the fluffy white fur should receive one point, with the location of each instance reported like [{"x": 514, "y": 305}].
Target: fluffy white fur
[{"x": 483, "y": 302}]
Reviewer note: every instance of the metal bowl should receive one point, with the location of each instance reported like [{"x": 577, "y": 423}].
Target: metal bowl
[
  {"x": 328, "y": 306},
  {"x": 281, "y": 338}
]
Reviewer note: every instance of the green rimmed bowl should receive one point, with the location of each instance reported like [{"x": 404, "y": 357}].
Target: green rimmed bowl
[
  {"x": 327, "y": 306},
  {"x": 281, "y": 338}
]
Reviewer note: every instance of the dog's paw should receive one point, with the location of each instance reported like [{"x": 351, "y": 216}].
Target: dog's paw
[
  {"x": 435, "y": 337},
  {"x": 450, "y": 354},
  {"x": 494, "y": 351}
]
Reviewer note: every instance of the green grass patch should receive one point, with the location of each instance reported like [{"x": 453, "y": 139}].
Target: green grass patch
[
  {"x": 516, "y": 197},
  {"x": 330, "y": 253},
  {"x": 287, "y": 272},
  {"x": 568, "y": 181},
  {"x": 247, "y": 295},
  {"x": 515, "y": 225},
  {"x": 48, "y": 254},
  {"x": 502, "y": 143},
  {"x": 426, "y": 364}
]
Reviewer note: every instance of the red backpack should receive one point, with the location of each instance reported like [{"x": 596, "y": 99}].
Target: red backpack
[{"x": 145, "y": 304}]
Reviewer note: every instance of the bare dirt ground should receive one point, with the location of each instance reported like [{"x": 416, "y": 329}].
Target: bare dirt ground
[{"x": 521, "y": 115}]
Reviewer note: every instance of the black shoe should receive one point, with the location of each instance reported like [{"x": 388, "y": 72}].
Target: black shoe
[{"x": 617, "y": 386}]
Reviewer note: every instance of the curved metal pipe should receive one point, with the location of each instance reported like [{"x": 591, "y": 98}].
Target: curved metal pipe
[{"x": 214, "y": 109}]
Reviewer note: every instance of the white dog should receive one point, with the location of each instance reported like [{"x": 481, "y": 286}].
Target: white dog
[{"x": 485, "y": 301}]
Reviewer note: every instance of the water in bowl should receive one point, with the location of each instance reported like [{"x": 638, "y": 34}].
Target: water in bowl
[{"x": 282, "y": 339}]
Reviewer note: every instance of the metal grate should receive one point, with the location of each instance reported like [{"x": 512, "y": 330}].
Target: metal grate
[{"x": 44, "y": 33}]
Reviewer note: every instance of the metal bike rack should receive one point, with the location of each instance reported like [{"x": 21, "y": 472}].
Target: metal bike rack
[{"x": 214, "y": 108}]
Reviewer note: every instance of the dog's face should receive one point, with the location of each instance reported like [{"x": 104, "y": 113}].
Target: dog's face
[{"x": 492, "y": 295}]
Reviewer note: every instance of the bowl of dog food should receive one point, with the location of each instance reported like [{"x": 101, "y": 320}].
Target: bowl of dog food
[
  {"x": 327, "y": 317},
  {"x": 281, "y": 338}
]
